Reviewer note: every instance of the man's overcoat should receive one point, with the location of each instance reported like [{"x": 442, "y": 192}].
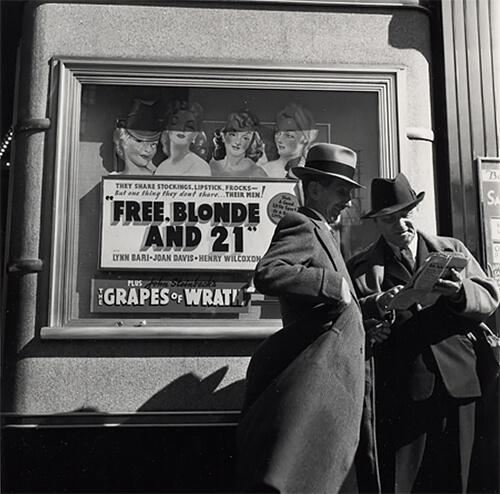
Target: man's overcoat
[
  {"x": 428, "y": 359},
  {"x": 301, "y": 419},
  {"x": 442, "y": 328}
]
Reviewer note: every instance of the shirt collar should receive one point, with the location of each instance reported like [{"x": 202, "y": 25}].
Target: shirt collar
[
  {"x": 413, "y": 247},
  {"x": 320, "y": 216}
]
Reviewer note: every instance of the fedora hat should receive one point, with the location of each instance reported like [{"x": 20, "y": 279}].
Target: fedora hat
[
  {"x": 389, "y": 195},
  {"x": 331, "y": 160}
]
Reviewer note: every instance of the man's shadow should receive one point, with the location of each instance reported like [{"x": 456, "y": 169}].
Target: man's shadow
[{"x": 204, "y": 393}]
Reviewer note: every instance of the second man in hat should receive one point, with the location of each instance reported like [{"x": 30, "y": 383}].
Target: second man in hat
[{"x": 426, "y": 379}]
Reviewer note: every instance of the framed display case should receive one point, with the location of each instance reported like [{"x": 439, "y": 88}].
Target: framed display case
[{"x": 168, "y": 181}]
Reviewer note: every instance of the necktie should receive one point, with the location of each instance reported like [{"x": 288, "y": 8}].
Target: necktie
[{"x": 407, "y": 259}]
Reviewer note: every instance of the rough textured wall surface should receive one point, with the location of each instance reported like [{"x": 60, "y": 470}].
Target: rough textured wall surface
[{"x": 127, "y": 376}]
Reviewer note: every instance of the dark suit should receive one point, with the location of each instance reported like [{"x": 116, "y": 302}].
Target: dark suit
[
  {"x": 301, "y": 420},
  {"x": 426, "y": 380}
]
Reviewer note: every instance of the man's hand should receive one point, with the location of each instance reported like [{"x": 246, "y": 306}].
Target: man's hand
[
  {"x": 450, "y": 287},
  {"x": 385, "y": 298},
  {"x": 377, "y": 331},
  {"x": 345, "y": 294}
]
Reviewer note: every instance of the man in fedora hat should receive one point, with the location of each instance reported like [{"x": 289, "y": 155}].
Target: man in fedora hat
[
  {"x": 301, "y": 420},
  {"x": 426, "y": 380}
]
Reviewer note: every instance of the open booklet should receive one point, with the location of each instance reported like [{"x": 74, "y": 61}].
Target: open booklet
[{"x": 419, "y": 289}]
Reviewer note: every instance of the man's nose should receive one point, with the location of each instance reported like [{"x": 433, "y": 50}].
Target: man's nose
[{"x": 401, "y": 223}]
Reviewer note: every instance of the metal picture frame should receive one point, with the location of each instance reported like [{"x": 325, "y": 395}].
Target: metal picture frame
[{"x": 71, "y": 77}]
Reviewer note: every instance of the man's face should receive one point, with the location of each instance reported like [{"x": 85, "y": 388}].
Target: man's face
[
  {"x": 332, "y": 199},
  {"x": 397, "y": 228}
]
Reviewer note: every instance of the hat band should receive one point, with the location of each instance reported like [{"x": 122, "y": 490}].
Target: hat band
[
  {"x": 144, "y": 135},
  {"x": 331, "y": 167}
]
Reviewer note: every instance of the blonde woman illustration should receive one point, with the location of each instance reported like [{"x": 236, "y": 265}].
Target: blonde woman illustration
[{"x": 182, "y": 130}]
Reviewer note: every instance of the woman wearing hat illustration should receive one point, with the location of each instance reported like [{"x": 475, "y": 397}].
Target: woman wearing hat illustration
[
  {"x": 181, "y": 135},
  {"x": 295, "y": 133},
  {"x": 136, "y": 139},
  {"x": 238, "y": 147}
]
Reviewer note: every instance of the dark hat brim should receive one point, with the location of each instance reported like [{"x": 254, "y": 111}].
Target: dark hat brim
[
  {"x": 144, "y": 135},
  {"x": 302, "y": 171},
  {"x": 395, "y": 208}
]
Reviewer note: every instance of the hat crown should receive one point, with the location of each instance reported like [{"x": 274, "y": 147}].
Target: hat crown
[
  {"x": 389, "y": 195},
  {"x": 330, "y": 160},
  {"x": 143, "y": 120},
  {"x": 333, "y": 153}
]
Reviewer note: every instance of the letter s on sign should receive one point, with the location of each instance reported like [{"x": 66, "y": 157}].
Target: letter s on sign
[
  {"x": 493, "y": 199},
  {"x": 164, "y": 298}
]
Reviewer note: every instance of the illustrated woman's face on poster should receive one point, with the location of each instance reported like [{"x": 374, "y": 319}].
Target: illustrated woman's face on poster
[
  {"x": 182, "y": 127},
  {"x": 289, "y": 142},
  {"x": 295, "y": 131},
  {"x": 237, "y": 143},
  {"x": 137, "y": 152}
]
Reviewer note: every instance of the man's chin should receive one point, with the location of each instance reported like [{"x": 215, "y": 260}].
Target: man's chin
[{"x": 405, "y": 239}]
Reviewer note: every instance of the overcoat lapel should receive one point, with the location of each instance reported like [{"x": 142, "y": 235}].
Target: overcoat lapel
[
  {"x": 325, "y": 237},
  {"x": 422, "y": 252}
]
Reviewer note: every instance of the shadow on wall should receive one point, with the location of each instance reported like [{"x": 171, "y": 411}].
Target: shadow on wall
[
  {"x": 410, "y": 29},
  {"x": 189, "y": 388}
]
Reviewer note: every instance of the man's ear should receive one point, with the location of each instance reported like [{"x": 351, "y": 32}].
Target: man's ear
[{"x": 313, "y": 189}]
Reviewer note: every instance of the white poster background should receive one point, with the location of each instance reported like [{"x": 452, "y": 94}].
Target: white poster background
[{"x": 189, "y": 224}]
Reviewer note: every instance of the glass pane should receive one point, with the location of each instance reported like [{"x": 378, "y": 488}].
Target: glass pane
[{"x": 179, "y": 189}]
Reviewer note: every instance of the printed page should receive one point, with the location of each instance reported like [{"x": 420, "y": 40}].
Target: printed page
[{"x": 419, "y": 288}]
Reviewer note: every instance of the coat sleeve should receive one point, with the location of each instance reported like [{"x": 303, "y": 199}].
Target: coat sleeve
[
  {"x": 480, "y": 293},
  {"x": 290, "y": 267},
  {"x": 367, "y": 283}
]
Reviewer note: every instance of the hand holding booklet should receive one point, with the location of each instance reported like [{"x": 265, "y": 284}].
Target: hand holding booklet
[{"x": 419, "y": 288}]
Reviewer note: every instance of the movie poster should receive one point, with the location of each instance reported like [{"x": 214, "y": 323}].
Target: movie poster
[{"x": 188, "y": 224}]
